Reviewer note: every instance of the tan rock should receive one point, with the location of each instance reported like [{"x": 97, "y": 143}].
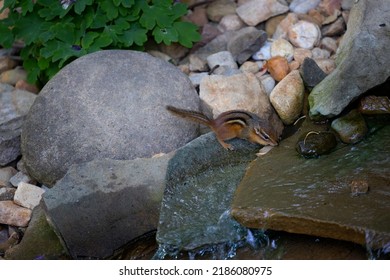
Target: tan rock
[
  {"x": 216, "y": 10},
  {"x": 256, "y": 11},
  {"x": 287, "y": 97},
  {"x": 327, "y": 65},
  {"x": 250, "y": 66},
  {"x": 283, "y": 27},
  {"x": 300, "y": 54},
  {"x": 272, "y": 24},
  {"x": 282, "y": 47},
  {"x": 14, "y": 215},
  {"x": 13, "y": 76}
]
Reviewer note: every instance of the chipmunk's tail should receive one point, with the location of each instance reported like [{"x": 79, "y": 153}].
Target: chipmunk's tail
[{"x": 190, "y": 115}]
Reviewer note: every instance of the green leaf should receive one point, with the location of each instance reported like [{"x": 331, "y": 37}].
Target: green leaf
[
  {"x": 99, "y": 20},
  {"x": 187, "y": 32},
  {"x": 30, "y": 65},
  {"x": 88, "y": 39},
  {"x": 43, "y": 63},
  {"x": 116, "y": 2},
  {"x": 51, "y": 10},
  {"x": 6, "y": 38},
  {"x": 153, "y": 16},
  {"x": 8, "y": 4},
  {"x": 166, "y": 35},
  {"x": 136, "y": 34},
  {"x": 127, "y": 3},
  {"x": 27, "y": 6},
  {"x": 101, "y": 42},
  {"x": 80, "y": 5},
  {"x": 178, "y": 10},
  {"x": 28, "y": 28},
  {"x": 64, "y": 32},
  {"x": 109, "y": 9}
]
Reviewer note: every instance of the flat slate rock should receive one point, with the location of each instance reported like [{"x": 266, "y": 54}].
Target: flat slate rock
[{"x": 283, "y": 191}]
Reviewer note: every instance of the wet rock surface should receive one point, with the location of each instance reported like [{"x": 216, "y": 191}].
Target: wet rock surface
[
  {"x": 202, "y": 175},
  {"x": 314, "y": 196}
]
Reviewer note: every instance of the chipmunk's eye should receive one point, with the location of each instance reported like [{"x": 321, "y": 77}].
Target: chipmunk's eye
[{"x": 264, "y": 135}]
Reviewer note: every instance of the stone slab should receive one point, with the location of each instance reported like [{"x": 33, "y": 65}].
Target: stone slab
[{"x": 283, "y": 191}]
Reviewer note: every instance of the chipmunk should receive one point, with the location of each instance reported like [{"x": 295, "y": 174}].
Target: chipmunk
[{"x": 232, "y": 124}]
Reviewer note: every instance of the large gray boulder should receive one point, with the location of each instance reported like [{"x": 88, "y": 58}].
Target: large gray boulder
[
  {"x": 362, "y": 61},
  {"x": 109, "y": 104},
  {"x": 101, "y": 205}
]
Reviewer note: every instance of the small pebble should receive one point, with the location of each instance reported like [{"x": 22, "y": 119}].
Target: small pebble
[
  {"x": 304, "y": 34},
  {"x": 303, "y": 6},
  {"x": 20, "y": 177},
  {"x": 13, "y": 214},
  {"x": 250, "y": 66},
  {"x": 300, "y": 54},
  {"x": 278, "y": 67},
  {"x": 28, "y": 195},
  {"x": 268, "y": 83},
  {"x": 12, "y": 76},
  {"x": 359, "y": 187},
  {"x": 351, "y": 127},
  {"x": 282, "y": 47},
  {"x": 230, "y": 23},
  {"x": 264, "y": 53},
  {"x": 329, "y": 44},
  {"x": 223, "y": 58}
]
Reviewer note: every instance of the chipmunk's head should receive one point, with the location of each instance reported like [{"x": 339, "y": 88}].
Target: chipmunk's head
[{"x": 263, "y": 136}]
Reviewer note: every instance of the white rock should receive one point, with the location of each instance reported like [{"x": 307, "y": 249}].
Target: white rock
[
  {"x": 230, "y": 23},
  {"x": 14, "y": 215},
  {"x": 28, "y": 195},
  {"x": 287, "y": 97},
  {"x": 264, "y": 53},
  {"x": 304, "y": 34},
  {"x": 256, "y": 11},
  {"x": 268, "y": 83},
  {"x": 282, "y": 47},
  {"x": 303, "y": 6},
  {"x": 223, "y": 58},
  {"x": 196, "y": 78}
]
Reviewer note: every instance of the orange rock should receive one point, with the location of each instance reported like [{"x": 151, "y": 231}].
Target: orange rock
[{"x": 278, "y": 67}]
